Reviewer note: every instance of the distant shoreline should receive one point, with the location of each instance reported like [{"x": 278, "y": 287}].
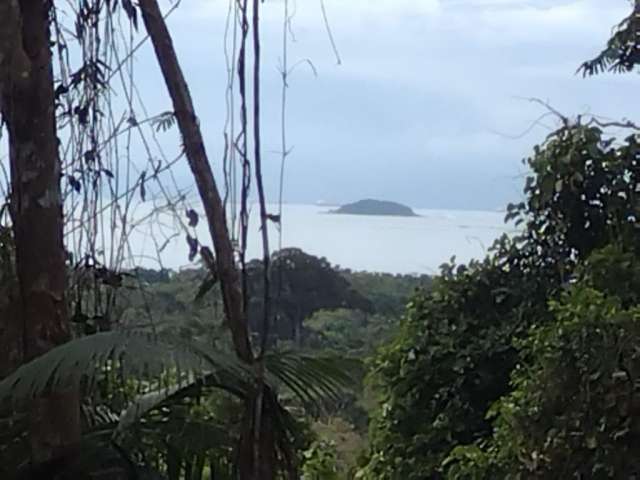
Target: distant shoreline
[{"x": 273, "y": 205}]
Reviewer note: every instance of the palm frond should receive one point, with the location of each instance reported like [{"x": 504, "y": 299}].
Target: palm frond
[
  {"x": 144, "y": 404},
  {"x": 190, "y": 434},
  {"x": 98, "y": 417},
  {"x": 135, "y": 352},
  {"x": 312, "y": 379},
  {"x": 14, "y": 445}
]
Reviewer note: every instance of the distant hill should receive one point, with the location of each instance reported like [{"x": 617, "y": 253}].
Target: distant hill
[{"x": 375, "y": 207}]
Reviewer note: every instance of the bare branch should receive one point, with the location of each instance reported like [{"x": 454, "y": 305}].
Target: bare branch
[
  {"x": 330, "y": 33},
  {"x": 564, "y": 119},
  {"x": 613, "y": 124}
]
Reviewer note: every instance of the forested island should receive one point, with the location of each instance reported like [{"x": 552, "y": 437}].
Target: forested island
[{"x": 375, "y": 207}]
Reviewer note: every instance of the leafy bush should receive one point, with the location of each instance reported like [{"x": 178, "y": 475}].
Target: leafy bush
[
  {"x": 320, "y": 462},
  {"x": 449, "y": 364},
  {"x": 574, "y": 409},
  {"x": 460, "y": 344}
]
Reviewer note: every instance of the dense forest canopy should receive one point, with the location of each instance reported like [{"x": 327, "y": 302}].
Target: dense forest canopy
[{"x": 523, "y": 364}]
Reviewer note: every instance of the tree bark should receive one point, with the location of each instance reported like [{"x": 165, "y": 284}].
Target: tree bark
[
  {"x": 262, "y": 399},
  {"x": 199, "y": 163},
  {"x": 257, "y": 440},
  {"x": 27, "y": 106},
  {"x": 11, "y": 330}
]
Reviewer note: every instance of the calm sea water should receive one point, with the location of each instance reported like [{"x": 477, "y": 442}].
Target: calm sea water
[{"x": 372, "y": 243}]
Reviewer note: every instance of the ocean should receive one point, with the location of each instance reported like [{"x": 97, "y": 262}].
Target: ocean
[{"x": 408, "y": 245}]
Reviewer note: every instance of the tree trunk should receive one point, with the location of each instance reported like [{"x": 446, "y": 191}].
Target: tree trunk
[
  {"x": 27, "y": 106},
  {"x": 199, "y": 163},
  {"x": 257, "y": 451},
  {"x": 198, "y": 467},
  {"x": 267, "y": 461},
  {"x": 174, "y": 463},
  {"x": 11, "y": 330},
  {"x": 188, "y": 468}
]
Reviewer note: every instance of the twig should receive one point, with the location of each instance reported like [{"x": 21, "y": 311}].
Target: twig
[
  {"x": 329, "y": 32},
  {"x": 564, "y": 119}
]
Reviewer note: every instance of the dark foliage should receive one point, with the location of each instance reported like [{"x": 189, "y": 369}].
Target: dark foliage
[{"x": 459, "y": 344}]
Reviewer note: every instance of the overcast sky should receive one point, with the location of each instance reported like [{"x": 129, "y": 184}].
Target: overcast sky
[{"x": 422, "y": 106}]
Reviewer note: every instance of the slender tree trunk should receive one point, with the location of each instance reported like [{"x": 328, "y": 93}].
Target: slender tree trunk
[
  {"x": 257, "y": 438},
  {"x": 174, "y": 464},
  {"x": 201, "y": 169},
  {"x": 198, "y": 467},
  {"x": 266, "y": 468},
  {"x": 188, "y": 468},
  {"x": 27, "y": 106}
]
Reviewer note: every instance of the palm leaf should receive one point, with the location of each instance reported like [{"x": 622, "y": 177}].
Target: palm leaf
[
  {"x": 98, "y": 417},
  {"x": 228, "y": 381},
  {"x": 144, "y": 404},
  {"x": 194, "y": 435},
  {"x": 312, "y": 379},
  {"x": 135, "y": 352}
]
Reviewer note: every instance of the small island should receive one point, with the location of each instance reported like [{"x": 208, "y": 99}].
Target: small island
[{"x": 375, "y": 207}]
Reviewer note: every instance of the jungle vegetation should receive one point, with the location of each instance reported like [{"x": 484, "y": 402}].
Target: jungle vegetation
[{"x": 521, "y": 365}]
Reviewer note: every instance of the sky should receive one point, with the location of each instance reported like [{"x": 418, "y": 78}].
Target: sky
[
  {"x": 428, "y": 105},
  {"x": 429, "y": 96}
]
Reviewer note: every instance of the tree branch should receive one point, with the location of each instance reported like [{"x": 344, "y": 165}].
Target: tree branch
[{"x": 201, "y": 169}]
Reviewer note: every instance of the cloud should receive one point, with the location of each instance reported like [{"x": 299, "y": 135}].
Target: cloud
[
  {"x": 305, "y": 10},
  {"x": 423, "y": 88}
]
